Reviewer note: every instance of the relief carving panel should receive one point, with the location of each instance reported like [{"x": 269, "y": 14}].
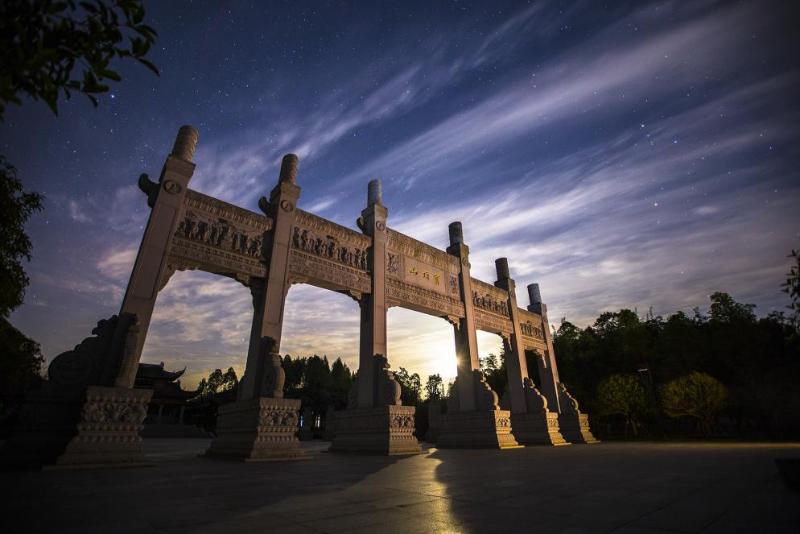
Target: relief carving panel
[
  {"x": 491, "y": 322},
  {"x": 312, "y": 268},
  {"x": 405, "y": 295},
  {"x": 218, "y": 237},
  {"x": 406, "y": 246},
  {"x": 489, "y": 298}
]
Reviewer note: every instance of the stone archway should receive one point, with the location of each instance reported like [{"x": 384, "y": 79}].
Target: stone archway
[{"x": 268, "y": 252}]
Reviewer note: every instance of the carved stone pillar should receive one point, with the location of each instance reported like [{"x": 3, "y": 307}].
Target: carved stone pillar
[
  {"x": 166, "y": 200},
  {"x": 516, "y": 366},
  {"x": 530, "y": 419},
  {"x": 263, "y": 427},
  {"x": 386, "y": 428},
  {"x": 261, "y": 424},
  {"x": 474, "y": 418},
  {"x": 548, "y": 370},
  {"x": 86, "y": 413},
  {"x": 373, "y": 305},
  {"x": 269, "y": 294},
  {"x": 375, "y": 420},
  {"x": 572, "y": 423},
  {"x": 465, "y": 337}
]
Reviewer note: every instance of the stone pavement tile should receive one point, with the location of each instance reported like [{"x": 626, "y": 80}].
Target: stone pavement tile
[
  {"x": 416, "y": 525},
  {"x": 638, "y": 529},
  {"x": 692, "y": 512},
  {"x": 251, "y": 524},
  {"x": 445, "y": 508},
  {"x": 383, "y": 497},
  {"x": 559, "y": 524},
  {"x": 365, "y": 518},
  {"x": 772, "y": 509},
  {"x": 613, "y": 511}
]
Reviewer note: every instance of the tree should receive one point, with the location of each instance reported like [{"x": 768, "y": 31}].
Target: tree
[
  {"x": 434, "y": 388},
  {"x": 623, "y": 395},
  {"x": 696, "y": 395},
  {"x": 494, "y": 369},
  {"x": 16, "y": 206},
  {"x": 792, "y": 288},
  {"x": 410, "y": 387},
  {"x": 341, "y": 380},
  {"x": 229, "y": 380},
  {"x": 50, "y": 48}
]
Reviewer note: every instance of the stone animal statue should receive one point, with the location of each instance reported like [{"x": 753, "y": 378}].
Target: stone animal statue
[
  {"x": 534, "y": 400},
  {"x": 273, "y": 376},
  {"x": 568, "y": 402},
  {"x": 484, "y": 394},
  {"x": 388, "y": 388}
]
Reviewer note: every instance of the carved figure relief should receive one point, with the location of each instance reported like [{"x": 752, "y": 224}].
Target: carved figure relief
[
  {"x": 403, "y": 294},
  {"x": 393, "y": 264},
  {"x": 530, "y": 330},
  {"x": 453, "y": 285},
  {"x": 329, "y": 247},
  {"x": 219, "y": 233},
  {"x": 490, "y": 303}
]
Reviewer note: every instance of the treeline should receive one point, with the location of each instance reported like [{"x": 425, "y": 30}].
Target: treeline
[
  {"x": 313, "y": 379},
  {"x": 725, "y": 373}
]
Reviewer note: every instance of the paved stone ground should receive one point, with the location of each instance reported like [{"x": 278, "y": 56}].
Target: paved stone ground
[{"x": 611, "y": 487}]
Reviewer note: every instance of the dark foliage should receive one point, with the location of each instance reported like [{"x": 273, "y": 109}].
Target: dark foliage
[
  {"x": 757, "y": 360},
  {"x": 50, "y": 48},
  {"x": 16, "y": 206}
]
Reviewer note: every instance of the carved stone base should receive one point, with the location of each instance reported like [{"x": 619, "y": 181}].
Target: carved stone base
[
  {"x": 575, "y": 428},
  {"x": 258, "y": 430},
  {"x": 537, "y": 429},
  {"x": 477, "y": 430},
  {"x": 98, "y": 429},
  {"x": 108, "y": 433},
  {"x": 381, "y": 430}
]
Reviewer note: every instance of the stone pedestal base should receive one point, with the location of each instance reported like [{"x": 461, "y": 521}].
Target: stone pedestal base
[
  {"x": 575, "y": 428},
  {"x": 477, "y": 430},
  {"x": 98, "y": 429},
  {"x": 258, "y": 430},
  {"x": 537, "y": 429},
  {"x": 108, "y": 433},
  {"x": 381, "y": 430}
]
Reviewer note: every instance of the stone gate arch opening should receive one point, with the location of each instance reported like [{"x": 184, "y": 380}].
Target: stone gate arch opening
[
  {"x": 201, "y": 323},
  {"x": 319, "y": 322},
  {"x": 421, "y": 343}
]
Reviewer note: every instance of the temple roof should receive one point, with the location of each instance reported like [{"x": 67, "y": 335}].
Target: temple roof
[{"x": 152, "y": 371}]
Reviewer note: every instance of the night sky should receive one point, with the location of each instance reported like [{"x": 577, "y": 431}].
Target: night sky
[{"x": 626, "y": 155}]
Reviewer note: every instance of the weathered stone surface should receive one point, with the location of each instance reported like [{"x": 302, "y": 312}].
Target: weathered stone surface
[
  {"x": 108, "y": 431},
  {"x": 537, "y": 429},
  {"x": 380, "y": 430},
  {"x": 573, "y": 424},
  {"x": 258, "y": 429},
  {"x": 490, "y": 429}
]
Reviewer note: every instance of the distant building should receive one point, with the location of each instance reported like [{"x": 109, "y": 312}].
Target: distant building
[{"x": 169, "y": 402}]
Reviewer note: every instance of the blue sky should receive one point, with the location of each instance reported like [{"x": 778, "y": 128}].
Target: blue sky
[{"x": 629, "y": 155}]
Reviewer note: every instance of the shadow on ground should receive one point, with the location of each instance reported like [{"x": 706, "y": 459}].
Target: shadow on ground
[{"x": 617, "y": 487}]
